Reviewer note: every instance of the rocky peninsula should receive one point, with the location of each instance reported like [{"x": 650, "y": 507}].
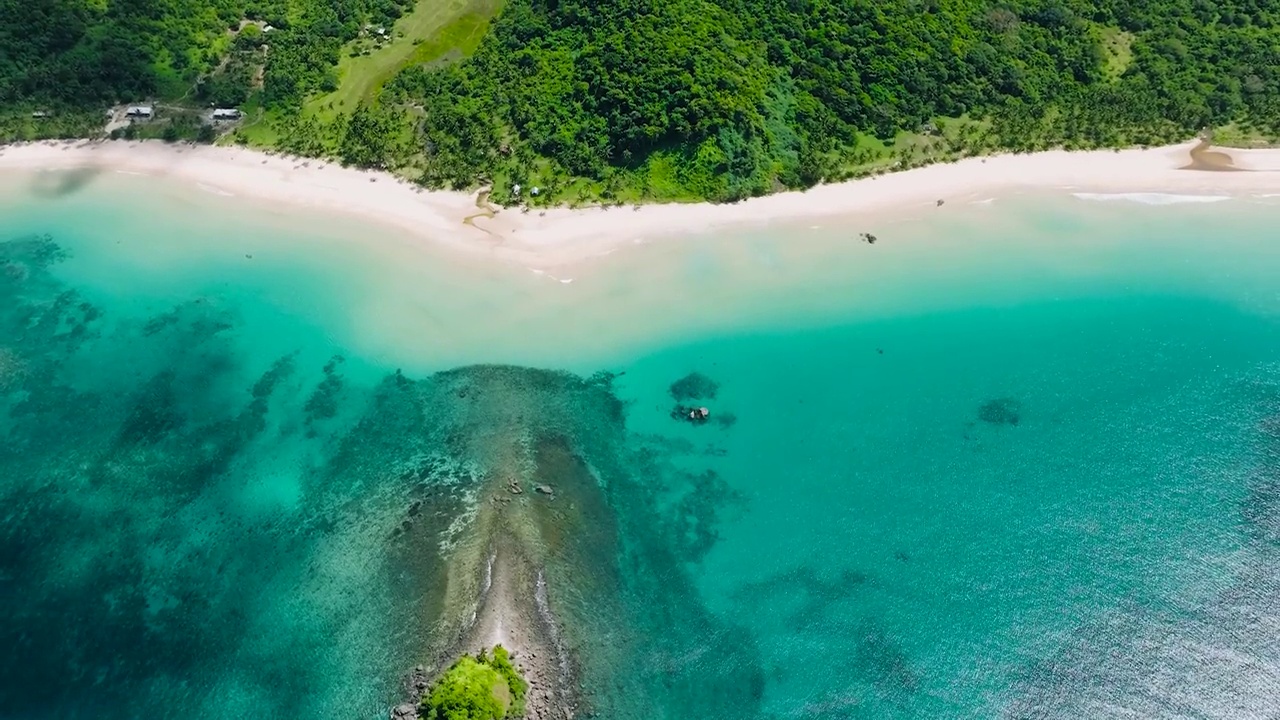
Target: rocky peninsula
[{"x": 525, "y": 521}]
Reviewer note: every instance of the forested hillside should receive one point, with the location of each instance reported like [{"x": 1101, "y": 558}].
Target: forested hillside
[
  {"x": 76, "y": 52},
  {"x": 727, "y": 98},
  {"x": 662, "y": 99}
]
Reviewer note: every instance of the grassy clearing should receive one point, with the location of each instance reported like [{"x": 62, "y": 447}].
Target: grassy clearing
[
  {"x": 460, "y": 36},
  {"x": 433, "y": 29},
  {"x": 948, "y": 140},
  {"x": 1237, "y": 135},
  {"x": 1117, "y": 50},
  {"x": 258, "y": 129}
]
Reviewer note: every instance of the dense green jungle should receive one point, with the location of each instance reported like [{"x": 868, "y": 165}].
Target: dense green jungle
[{"x": 646, "y": 100}]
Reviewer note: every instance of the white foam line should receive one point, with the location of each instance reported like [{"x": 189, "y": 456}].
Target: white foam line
[
  {"x": 214, "y": 190},
  {"x": 1151, "y": 198}
]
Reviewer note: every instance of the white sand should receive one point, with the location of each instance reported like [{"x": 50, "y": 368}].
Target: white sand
[{"x": 561, "y": 235}]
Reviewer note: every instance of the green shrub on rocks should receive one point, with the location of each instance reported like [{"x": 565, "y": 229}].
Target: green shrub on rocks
[{"x": 477, "y": 688}]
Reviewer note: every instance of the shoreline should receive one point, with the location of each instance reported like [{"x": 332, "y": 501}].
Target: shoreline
[{"x": 557, "y": 236}]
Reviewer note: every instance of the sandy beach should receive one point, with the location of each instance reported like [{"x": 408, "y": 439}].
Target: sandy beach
[{"x": 561, "y": 235}]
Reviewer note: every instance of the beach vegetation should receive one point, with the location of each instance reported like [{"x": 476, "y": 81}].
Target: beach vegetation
[{"x": 484, "y": 687}]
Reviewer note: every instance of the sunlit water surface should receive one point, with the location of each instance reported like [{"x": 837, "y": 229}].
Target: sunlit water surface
[{"x": 1015, "y": 459}]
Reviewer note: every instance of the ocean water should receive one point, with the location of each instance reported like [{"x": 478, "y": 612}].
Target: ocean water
[{"x": 1014, "y": 460}]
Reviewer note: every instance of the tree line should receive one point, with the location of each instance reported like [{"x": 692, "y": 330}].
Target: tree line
[
  {"x": 725, "y": 99},
  {"x": 675, "y": 99},
  {"x": 76, "y": 53}
]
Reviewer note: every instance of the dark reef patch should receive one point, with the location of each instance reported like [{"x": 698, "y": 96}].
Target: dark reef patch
[
  {"x": 694, "y": 386},
  {"x": 803, "y": 597},
  {"x": 697, "y": 513},
  {"x": 146, "y": 550},
  {"x": 881, "y": 657},
  {"x": 323, "y": 403},
  {"x": 277, "y": 531},
  {"x": 1001, "y": 411},
  {"x": 691, "y": 394}
]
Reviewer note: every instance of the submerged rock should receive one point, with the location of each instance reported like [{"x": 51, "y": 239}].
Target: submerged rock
[{"x": 696, "y": 415}]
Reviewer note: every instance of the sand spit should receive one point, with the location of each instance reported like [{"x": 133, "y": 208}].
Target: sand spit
[
  {"x": 557, "y": 236},
  {"x": 510, "y": 610},
  {"x": 497, "y": 595},
  {"x": 541, "y": 544},
  {"x": 513, "y": 613}
]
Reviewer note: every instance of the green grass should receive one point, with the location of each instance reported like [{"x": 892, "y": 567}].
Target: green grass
[
  {"x": 460, "y": 37},
  {"x": 435, "y": 29},
  {"x": 1117, "y": 50},
  {"x": 16, "y": 123},
  {"x": 872, "y": 155},
  {"x": 662, "y": 180},
  {"x": 1236, "y": 135},
  {"x": 258, "y": 129}
]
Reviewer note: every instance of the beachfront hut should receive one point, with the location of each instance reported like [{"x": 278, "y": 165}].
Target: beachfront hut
[{"x": 140, "y": 112}]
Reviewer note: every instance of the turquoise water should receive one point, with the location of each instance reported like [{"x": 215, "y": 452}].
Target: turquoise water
[
  {"x": 1013, "y": 461},
  {"x": 922, "y": 558}
]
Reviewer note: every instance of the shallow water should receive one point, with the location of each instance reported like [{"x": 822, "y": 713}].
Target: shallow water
[{"x": 1014, "y": 459}]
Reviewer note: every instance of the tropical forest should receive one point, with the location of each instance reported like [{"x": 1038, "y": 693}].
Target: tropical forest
[{"x": 614, "y": 101}]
